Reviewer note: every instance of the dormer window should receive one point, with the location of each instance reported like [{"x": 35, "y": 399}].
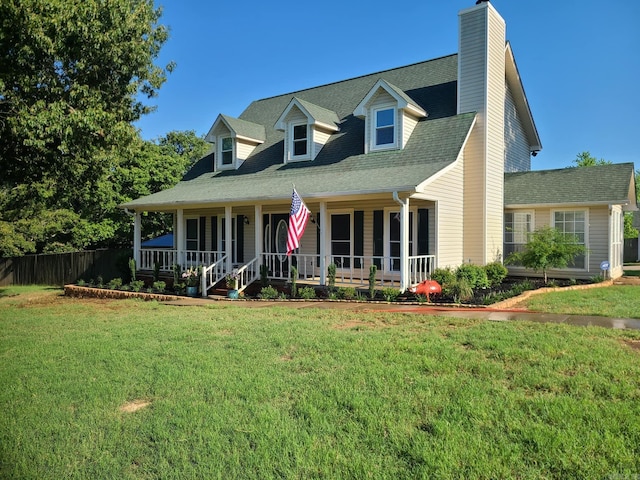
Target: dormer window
[
  {"x": 385, "y": 128},
  {"x": 300, "y": 140},
  {"x": 390, "y": 116},
  {"x": 307, "y": 127},
  {"x": 226, "y": 150},
  {"x": 235, "y": 140}
]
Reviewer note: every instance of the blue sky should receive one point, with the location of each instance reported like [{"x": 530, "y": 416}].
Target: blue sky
[{"x": 579, "y": 60}]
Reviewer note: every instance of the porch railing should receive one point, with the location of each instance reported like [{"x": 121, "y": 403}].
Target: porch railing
[
  {"x": 350, "y": 269},
  {"x": 167, "y": 258}
]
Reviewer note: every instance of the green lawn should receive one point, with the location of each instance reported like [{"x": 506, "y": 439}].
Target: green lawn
[
  {"x": 619, "y": 301},
  {"x": 274, "y": 392}
]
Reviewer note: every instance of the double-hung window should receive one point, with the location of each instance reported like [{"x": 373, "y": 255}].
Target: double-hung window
[
  {"x": 226, "y": 151},
  {"x": 517, "y": 228},
  {"x": 574, "y": 223},
  {"x": 384, "y": 135},
  {"x": 300, "y": 140}
]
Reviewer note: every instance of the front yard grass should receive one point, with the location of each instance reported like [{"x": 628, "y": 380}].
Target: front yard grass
[
  {"x": 619, "y": 301},
  {"x": 139, "y": 390}
]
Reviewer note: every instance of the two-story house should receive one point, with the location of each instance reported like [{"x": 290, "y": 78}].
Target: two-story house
[{"x": 409, "y": 169}]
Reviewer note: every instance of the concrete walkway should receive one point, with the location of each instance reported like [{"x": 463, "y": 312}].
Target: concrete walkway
[{"x": 467, "y": 312}]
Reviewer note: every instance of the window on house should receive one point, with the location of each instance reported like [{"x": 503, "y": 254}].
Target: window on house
[
  {"x": 226, "y": 151},
  {"x": 384, "y": 134},
  {"x": 517, "y": 228},
  {"x": 573, "y": 222},
  {"x": 341, "y": 240},
  {"x": 192, "y": 234},
  {"x": 300, "y": 136}
]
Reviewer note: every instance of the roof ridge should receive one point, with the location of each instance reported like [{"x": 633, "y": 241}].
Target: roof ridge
[{"x": 615, "y": 164}]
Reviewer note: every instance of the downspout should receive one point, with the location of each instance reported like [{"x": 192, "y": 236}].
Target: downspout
[{"x": 404, "y": 241}]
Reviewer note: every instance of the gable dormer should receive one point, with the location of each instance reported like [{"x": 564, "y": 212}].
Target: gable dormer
[
  {"x": 307, "y": 127},
  {"x": 234, "y": 140},
  {"x": 390, "y": 116}
]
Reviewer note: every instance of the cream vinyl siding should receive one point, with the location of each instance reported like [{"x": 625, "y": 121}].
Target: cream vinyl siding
[
  {"x": 445, "y": 231},
  {"x": 408, "y": 123},
  {"x": 481, "y": 88},
  {"x": 320, "y": 138},
  {"x": 517, "y": 150}
]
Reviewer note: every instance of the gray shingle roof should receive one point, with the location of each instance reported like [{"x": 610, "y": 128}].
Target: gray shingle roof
[
  {"x": 577, "y": 185},
  {"x": 341, "y": 166},
  {"x": 245, "y": 128},
  {"x": 319, "y": 114}
]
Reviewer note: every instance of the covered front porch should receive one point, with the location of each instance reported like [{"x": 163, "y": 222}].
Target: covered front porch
[{"x": 395, "y": 235}]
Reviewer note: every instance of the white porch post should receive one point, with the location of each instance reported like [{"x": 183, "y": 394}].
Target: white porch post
[
  {"x": 228, "y": 238},
  {"x": 137, "y": 237},
  {"x": 324, "y": 229},
  {"x": 404, "y": 246},
  {"x": 180, "y": 237},
  {"x": 259, "y": 239}
]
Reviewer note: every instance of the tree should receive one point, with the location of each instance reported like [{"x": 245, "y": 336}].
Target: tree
[
  {"x": 73, "y": 77},
  {"x": 584, "y": 159},
  {"x": 547, "y": 248}
]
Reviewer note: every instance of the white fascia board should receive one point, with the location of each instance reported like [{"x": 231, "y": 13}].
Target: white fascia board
[
  {"x": 248, "y": 139},
  {"x": 512, "y": 76}
]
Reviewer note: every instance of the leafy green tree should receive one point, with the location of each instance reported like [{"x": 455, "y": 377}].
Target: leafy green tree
[
  {"x": 73, "y": 78},
  {"x": 547, "y": 248},
  {"x": 585, "y": 159}
]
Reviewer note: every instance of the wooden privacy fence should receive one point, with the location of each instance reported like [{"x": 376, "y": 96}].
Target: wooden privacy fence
[
  {"x": 630, "y": 250},
  {"x": 63, "y": 268}
]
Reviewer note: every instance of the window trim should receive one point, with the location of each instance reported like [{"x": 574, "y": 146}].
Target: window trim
[
  {"x": 186, "y": 233},
  {"x": 373, "y": 127},
  {"x": 552, "y": 223},
  {"x": 220, "y": 152},
  {"x": 292, "y": 157}
]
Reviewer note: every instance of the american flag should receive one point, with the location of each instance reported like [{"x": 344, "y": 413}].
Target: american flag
[{"x": 298, "y": 218}]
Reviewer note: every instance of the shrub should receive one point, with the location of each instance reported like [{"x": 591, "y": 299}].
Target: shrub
[
  {"x": 390, "y": 294},
  {"x": 475, "y": 275},
  {"x": 496, "y": 273},
  {"x": 372, "y": 281},
  {"x": 156, "y": 271},
  {"x": 307, "y": 293},
  {"x": 331, "y": 269},
  {"x": 136, "y": 285},
  {"x": 294, "y": 282},
  {"x": 444, "y": 276},
  {"x": 132, "y": 269},
  {"x": 462, "y": 291},
  {"x": 99, "y": 282},
  {"x": 81, "y": 283},
  {"x": 346, "y": 293},
  {"x": 159, "y": 286},
  {"x": 115, "y": 284},
  {"x": 268, "y": 293},
  {"x": 264, "y": 275}
]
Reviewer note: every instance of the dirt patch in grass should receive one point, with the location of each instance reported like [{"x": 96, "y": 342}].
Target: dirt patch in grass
[
  {"x": 634, "y": 344},
  {"x": 134, "y": 406},
  {"x": 353, "y": 324}
]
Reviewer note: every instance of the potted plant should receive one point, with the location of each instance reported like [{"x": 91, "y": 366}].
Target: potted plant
[
  {"x": 232, "y": 283},
  {"x": 191, "y": 278}
]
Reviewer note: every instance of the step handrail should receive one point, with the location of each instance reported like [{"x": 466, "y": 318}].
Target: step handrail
[
  {"x": 212, "y": 274},
  {"x": 248, "y": 273}
]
